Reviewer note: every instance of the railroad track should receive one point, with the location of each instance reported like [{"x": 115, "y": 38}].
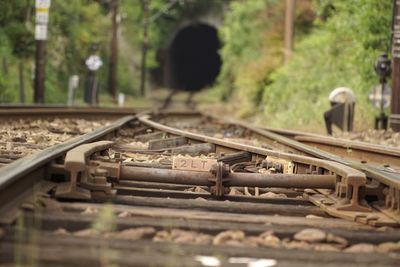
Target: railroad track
[
  {"x": 49, "y": 112},
  {"x": 191, "y": 189},
  {"x": 380, "y": 155}
]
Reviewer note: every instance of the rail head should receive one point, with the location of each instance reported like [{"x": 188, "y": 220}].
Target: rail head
[
  {"x": 386, "y": 182},
  {"x": 348, "y": 200},
  {"x": 21, "y": 167},
  {"x": 344, "y": 199}
]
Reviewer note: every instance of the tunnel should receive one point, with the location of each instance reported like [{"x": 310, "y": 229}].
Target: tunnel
[{"x": 194, "y": 59}]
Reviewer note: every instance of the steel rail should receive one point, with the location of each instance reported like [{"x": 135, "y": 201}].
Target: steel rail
[
  {"x": 51, "y": 112},
  {"x": 209, "y": 217},
  {"x": 351, "y": 149},
  {"x": 349, "y": 144},
  {"x": 329, "y": 165},
  {"x": 346, "y": 151},
  {"x": 22, "y": 175},
  {"x": 301, "y": 141},
  {"x": 15, "y": 170},
  {"x": 380, "y": 174},
  {"x": 385, "y": 185}
]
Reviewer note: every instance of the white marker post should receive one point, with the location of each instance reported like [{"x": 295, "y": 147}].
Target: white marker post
[{"x": 72, "y": 85}]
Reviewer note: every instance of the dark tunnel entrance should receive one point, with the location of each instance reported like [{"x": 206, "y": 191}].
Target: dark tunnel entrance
[{"x": 194, "y": 57}]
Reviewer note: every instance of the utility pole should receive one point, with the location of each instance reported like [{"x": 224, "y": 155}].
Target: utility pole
[
  {"x": 42, "y": 19},
  {"x": 395, "y": 97},
  {"x": 289, "y": 29},
  {"x": 21, "y": 82},
  {"x": 40, "y": 66},
  {"x": 145, "y": 9},
  {"x": 112, "y": 75}
]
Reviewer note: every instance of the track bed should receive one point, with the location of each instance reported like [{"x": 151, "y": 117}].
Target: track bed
[{"x": 146, "y": 191}]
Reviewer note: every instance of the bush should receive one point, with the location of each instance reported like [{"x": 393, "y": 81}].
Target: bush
[
  {"x": 253, "y": 40},
  {"x": 339, "y": 52}
]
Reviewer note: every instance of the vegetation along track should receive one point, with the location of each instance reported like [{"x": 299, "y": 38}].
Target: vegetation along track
[{"x": 194, "y": 190}]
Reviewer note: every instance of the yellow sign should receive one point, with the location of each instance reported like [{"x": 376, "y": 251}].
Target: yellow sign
[{"x": 42, "y": 9}]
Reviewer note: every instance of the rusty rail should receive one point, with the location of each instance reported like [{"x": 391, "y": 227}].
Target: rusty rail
[
  {"x": 38, "y": 111},
  {"x": 68, "y": 233},
  {"x": 18, "y": 179},
  {"x": 350, "y": 186},
  {"x": 353, "y": 150}
]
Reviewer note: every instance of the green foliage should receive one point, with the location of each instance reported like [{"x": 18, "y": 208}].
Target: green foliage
[
  {"x": 239, "y": 31},
  {"x": 339, "y": 52},
  {"x": 74, "y": 26},
  {"x": 253, "y": 40},
  {"x": 16, "y": 44},
  {"x": 337, "y": 43},
  {"x": 17, "y": 16},
  {"x": 72, "y": 29},
  {"x": 242, "y": 40},
  {"x": 337, "y": 49}
]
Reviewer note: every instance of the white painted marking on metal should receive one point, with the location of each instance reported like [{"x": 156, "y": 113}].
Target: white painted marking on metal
[{"x": 192, "y": 164}]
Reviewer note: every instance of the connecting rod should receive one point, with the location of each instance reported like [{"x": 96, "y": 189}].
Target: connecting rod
[{"x": 234, "y": 179}]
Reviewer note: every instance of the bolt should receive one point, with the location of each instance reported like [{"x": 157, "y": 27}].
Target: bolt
[
  {"x": 226, "y": 170},
  {"x": 214, "y": 169}
]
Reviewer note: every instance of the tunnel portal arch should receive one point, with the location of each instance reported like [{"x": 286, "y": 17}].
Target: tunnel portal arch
[{"x": 193, "y": 61}]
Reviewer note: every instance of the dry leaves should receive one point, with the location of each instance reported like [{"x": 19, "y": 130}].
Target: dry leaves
[
  {"x": 23, "y": 137},
  {"x": 380, "y": 137}
]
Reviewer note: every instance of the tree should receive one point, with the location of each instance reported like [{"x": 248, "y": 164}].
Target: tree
[{"x": 16, "y": 16}]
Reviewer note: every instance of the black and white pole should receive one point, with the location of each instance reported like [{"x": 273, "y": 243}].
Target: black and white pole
[
  {"x": 42, "y": 20},
  {"x": 93, "y": 63},
  {"x": 383, "y": 70},
  {"x": 112, "y": 75}
]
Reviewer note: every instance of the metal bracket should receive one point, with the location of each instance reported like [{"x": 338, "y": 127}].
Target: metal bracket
[
  {"x": 84, "y": 178},
  {"x": 391, "y": 204},
  {"x": 348, "y": 201},
  {"x": 221, "y": 172}
]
